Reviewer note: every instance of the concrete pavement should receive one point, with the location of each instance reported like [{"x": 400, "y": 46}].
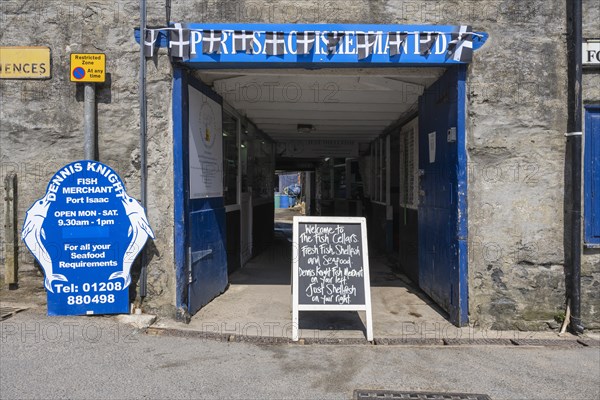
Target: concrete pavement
[
  {"x": 257, "y": 308},
  {"x": 98, "y": 358},
  {"x": 258, "y": 303}
]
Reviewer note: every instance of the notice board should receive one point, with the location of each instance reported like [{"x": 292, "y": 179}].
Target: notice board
[{"x": 330, "y": 267}]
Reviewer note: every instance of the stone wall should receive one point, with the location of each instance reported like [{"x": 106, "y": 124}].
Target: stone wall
[
  {"x": 590, "y": 261},
  {"x": 516, "y": 120},
  {"x": 42, "y": 121},
  {"x": 517, "y": 115}
]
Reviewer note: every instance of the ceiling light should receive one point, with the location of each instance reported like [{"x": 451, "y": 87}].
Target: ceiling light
[{"x": 305, "y": 128}]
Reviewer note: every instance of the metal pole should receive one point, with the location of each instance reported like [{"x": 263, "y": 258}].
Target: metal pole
[
  {"x": 575, "y": 142},
  {"x": 89, "y": 121},
  {"x": 11, "y": 244},
  {"x": 143, "y": 172}
]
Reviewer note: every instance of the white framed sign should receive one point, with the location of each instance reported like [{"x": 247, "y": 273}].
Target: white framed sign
[
  {"x": 330, "y": 267},
  {"x": 590, "y": 52}
]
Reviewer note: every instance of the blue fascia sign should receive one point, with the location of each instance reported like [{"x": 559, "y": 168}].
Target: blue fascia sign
[
  {"x": 85, "y": 233},
  {"x": 203, "y": 45}
]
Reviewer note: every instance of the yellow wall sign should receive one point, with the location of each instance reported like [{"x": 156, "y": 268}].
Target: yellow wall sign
[
  {"x": 88, "y": 67},
  {"x": 18, "y": 62}
]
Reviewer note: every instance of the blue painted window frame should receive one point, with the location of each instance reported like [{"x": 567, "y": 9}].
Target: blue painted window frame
[{"x": 591, "y": 170}]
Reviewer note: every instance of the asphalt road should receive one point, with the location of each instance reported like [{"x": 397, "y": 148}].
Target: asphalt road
[{"x": 96, "y": 358}]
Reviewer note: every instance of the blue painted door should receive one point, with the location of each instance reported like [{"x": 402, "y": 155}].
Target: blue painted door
[
  {"x": 592, "y": 176},
  {"x": 207, "y": 259},
  {"x": 442, "y": 237},
  {"x": 200, "y": 236},
  {"x": 206, "y": 227}
]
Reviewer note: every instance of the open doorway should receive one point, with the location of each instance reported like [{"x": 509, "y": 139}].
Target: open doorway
[
  {"x": 290, "y": 201},
  {"x": 357, "y": 153}
]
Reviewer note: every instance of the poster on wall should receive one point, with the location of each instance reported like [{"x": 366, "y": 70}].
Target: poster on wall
[
  {"x": 432, "y": 142},
  {"x": 85, "y": 233},
  {"x": 206, "y": 146}
]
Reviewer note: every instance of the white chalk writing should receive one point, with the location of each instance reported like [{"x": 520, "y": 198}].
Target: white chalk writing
[{"x": 330, "y": 262}]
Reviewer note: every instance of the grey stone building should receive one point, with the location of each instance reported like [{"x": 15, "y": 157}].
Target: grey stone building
[{"x": 506, "y": 189}]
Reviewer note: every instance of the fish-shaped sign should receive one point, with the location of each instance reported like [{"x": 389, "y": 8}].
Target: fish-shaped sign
[{"x": 86, "y": 232}]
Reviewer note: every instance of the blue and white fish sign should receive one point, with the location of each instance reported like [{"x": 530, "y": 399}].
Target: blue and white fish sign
[{"x": 86, "y": 233}]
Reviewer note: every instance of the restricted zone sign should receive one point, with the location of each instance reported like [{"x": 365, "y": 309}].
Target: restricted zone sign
[
  {"x": 88, "y": 67},
  {"x": 330, "y": 267}
]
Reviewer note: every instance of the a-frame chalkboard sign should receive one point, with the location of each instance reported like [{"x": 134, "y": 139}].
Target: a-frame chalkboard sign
[{"x": 330, "y": 267}]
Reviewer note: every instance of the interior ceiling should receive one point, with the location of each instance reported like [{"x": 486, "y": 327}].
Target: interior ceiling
[{"x": 341, "y": 103}]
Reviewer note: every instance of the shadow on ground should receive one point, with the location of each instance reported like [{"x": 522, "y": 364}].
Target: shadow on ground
[{"x": 259, "y": 299}]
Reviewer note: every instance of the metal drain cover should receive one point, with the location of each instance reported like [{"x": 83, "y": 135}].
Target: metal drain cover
[
  {"x": 7, "y": 312},
  {"x": 360, "y": 394},
  {"x": 481, "y": 341}
]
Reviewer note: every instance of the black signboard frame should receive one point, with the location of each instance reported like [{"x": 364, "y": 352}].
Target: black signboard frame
[{"x": 300, "y": 257}]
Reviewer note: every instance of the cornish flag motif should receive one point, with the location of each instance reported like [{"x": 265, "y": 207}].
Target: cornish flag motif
[
  {"x": 242, "y": 42},
  {"x": 305, "y": 41},
  {"x": 360, "y": 44},
  {"x": 179, "y": 42},
  {"x": 460, "y": 47},
  {"x": 274, "y": 44},
  {"x": 364, "y": 44},
  {"x": 333, "y": 39},
  {"x": 211, "y": 42},
  {"x": 396, "y": 41},
  {"x": 426, "y": 41},
  {"x": 150, "y": 37}
]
